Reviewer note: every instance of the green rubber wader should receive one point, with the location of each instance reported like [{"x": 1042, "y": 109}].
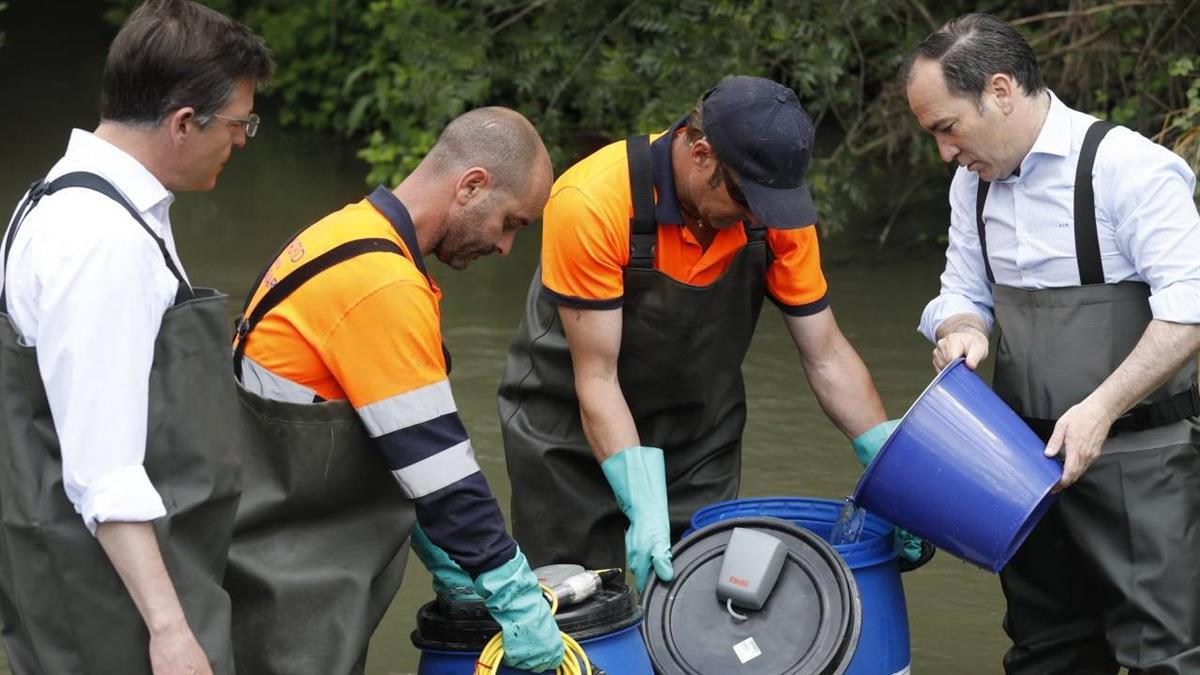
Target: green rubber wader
[
  {"x": 1108, "y": 578},
  {"x": 680, "y": 371},
  {"x": 320, "y": 546},
  {"x": 65, "y": 610},
  {"x": 321, "y": 541}
]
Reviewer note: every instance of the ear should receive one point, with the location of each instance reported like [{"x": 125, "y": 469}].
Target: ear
[
  {"x": 701, "y": 152},
  {"x": 1004, "y": 89},
  {"x": 472, "y": 183},
  {"x": 177, "y": 124}
]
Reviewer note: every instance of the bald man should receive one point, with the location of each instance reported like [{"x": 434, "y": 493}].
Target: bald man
[{"x": 339, "y": 354}]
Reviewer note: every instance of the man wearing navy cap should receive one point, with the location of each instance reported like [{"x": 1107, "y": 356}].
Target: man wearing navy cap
[{"x": 622, "y": 402}]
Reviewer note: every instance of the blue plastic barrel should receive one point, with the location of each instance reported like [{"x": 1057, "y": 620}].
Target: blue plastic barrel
[
  {"x": 883, "y": 646},
  {"x": 619, "y": 652},
  {"x": 962, "y": 471},
  {"x": 607, "y": 626}
]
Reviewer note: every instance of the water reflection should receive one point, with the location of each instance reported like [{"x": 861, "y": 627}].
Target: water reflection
[{"x": 284, "y": 180}]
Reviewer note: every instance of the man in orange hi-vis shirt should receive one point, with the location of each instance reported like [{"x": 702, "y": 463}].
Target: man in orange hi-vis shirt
[
  {"x": 352, "y": 429},
  {"x": 623, "y": 391}
]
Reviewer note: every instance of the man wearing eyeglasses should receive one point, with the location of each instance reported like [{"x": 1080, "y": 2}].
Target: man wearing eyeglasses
[
  {"x": 120, "y": 474},
  {"x": 623, "y": 391}
]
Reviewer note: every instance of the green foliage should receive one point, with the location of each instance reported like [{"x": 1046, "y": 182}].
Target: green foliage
[{"x": 391, "y": 73}]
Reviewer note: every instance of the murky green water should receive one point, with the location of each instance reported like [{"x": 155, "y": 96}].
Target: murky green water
[{"x": 284, "y": 180}]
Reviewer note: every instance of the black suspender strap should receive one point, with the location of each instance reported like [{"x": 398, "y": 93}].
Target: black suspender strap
[
  {"x": 1087, "y": 241},
  {"x": 90, "y": 181},
  {"x": 643, "y": 228},
  {"x": 295, "y": 280},
  {"x": 980, "y": 200}
]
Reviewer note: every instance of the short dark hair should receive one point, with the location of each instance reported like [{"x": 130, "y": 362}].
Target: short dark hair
[
  {"x": 498, "y": 139},
  {"x": 974, "y": 47},
  {"x": 176, "y": 53}
]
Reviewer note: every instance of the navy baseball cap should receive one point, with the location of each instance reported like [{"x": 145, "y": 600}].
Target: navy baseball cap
[{"x": 759, "y": 130}]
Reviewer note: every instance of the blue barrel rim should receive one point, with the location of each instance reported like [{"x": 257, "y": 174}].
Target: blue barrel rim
[
  {"x": 635, "y": 626},
  {"x": 875, "y": 550}
]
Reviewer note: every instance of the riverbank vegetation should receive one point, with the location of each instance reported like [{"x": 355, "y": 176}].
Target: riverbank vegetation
[{"x": 389, "y": 73}]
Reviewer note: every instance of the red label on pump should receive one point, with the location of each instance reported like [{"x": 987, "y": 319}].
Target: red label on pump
[{"x": 739, "y": 582}]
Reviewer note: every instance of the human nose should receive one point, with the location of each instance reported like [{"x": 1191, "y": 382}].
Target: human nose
[
  {"x": 947, "y": 150},
  {"x": 506, "y": 243}
]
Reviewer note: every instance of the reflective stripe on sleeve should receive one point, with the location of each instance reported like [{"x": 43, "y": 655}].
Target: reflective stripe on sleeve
[
  {"x": 405, "y": 410},
  {"x": 434, "y": 473},
  {"x": 263, "y": 382}
]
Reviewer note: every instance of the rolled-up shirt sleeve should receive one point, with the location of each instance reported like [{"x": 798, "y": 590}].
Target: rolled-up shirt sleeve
[
  {"x": 100, "y": 315},
  {"x": 965, "y": 287},
  {"x": 1156, "y": 223}
]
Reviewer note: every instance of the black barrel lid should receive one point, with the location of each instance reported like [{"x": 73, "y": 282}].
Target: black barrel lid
[
  {"x": 468, "y": 626},
  {"x": 809, "y": 625}
]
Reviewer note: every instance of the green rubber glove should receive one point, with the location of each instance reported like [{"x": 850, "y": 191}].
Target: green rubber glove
[
  {"x": 866, "y": 445},
  {"x": 531, "y": 638},
  {"x": 449, "y": 580},
  {"x": 638, "y": 477}
]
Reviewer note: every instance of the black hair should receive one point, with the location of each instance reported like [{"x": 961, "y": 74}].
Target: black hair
[
  {"x": 974, "y": 47},
  {"x": 175, "y": 53}
]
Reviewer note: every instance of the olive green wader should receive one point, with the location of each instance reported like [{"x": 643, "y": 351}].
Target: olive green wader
[
  {"x": 680, "y": 371},
  {"x": 320, "y": 546},
  {"x": 64, "y": 607},
  {"x": 1111, "y": 575}
]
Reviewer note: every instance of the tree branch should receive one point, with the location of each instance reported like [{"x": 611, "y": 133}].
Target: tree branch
[{"x": 1066, "y": 14}]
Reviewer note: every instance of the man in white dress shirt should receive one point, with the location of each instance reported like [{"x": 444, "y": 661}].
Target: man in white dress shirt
[
  {"x": 118, "y": 474},
  {"x": 1081, "y": 241}
]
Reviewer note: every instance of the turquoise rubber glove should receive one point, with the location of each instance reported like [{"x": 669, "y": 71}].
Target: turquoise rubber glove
[
  {"x": 449, "y": 580},
  {"x": 638, "y": 477},
  {"x": 531, "y": 638},
  {"x": 868, "y": 443},
  {"x": 866, "y": 446}
]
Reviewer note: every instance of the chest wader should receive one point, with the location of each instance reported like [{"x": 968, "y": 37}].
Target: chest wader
[
  {"x": 680, "y": 371},
  {"x": 65, "y": 609},
  {"x": 321, "y": 541},
  {"x": 1109, "y": 576}
]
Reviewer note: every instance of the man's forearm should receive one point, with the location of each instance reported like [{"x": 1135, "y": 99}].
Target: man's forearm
[
  {"x": 844, "y": 388},
  {"x": 607, "y": 422},
  {"x": 133, "y": 550},
  {"x": 1163, "y": 349},
  {"x": 961, "y": 322}
]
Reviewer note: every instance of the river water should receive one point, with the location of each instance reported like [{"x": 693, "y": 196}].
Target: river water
[{"x": 285, "y": 179}]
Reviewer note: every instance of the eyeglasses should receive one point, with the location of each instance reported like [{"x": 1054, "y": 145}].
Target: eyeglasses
[
  {"x": 734, "y": 190},
  {"x": 249, "y": 125}
]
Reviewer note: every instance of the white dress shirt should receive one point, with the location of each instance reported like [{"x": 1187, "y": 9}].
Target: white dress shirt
[
  {"x": 87, "y": 286},
  {"x": 1146, "y": 221}
]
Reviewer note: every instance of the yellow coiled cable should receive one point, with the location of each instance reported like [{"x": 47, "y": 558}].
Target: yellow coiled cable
[{"x": 575, "y": 661}]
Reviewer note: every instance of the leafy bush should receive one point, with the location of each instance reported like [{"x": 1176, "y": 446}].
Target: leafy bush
[{"x": 391, "y": 73}]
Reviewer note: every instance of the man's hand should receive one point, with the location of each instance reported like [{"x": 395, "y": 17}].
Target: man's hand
[
  {"x": 174, "y": 651},
  {"x": 965, "y": 341},
  {"x": 1081, "y": 431}
]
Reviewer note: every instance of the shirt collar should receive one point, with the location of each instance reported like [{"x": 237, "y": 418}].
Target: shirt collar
[
  {"x": 666, "y": 210},
  {"x": 118, "y": 167},
  {"x": 386, "y": 202},
  {"x": 1055, "y": 136}
]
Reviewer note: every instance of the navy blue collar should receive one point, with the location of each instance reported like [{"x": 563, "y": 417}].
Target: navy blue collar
[
  {"x": 394, "y": 210},
  {"x": 666, "y": 210}
]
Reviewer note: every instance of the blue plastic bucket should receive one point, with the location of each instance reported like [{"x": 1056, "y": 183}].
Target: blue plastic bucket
[
  {"x": 962, "y": 471},
  {"x": 607, "y": 626},
  {"x": 883, "y": 645}
]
